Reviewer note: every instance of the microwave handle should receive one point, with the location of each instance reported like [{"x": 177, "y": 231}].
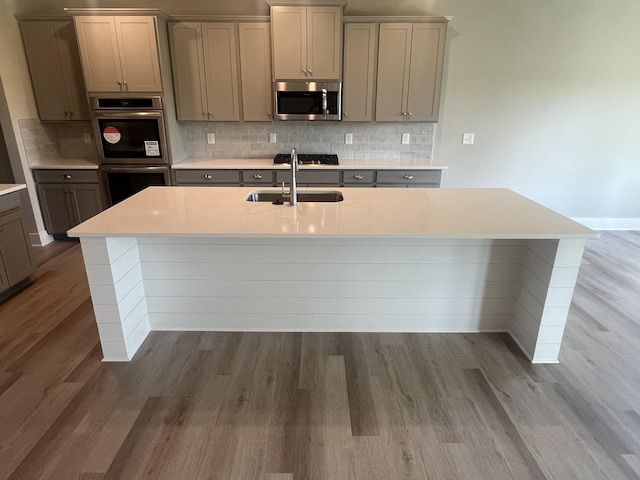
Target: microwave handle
[{"x": 324, "y": 102}]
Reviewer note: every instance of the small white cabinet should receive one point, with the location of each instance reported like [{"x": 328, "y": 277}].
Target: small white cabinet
[
  {"x": 205, "y": 70},
  {"x": 307, "y": 42},
  {"x": 54, "y": 66},
  {"x": 119, "y": 54}
]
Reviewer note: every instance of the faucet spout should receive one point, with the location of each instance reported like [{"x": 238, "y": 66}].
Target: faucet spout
[{"x": 293, "y": 191}]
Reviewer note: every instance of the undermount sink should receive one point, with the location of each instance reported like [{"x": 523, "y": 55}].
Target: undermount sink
[{"x": 277, "y": 197}]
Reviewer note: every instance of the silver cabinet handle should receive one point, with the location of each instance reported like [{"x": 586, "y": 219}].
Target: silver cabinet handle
[
  {"x": 309, "y": 72},
  {"x": 1, "y": 229},
  {"x": 304, "y": 71},
  {"x": 358, "y": 177},
  {"x": 409, "y": 113},
  {"x": 408, "y": 177},
  {"x": 257, "y": 176},
  {"x": 126, "y": 88},
  {"x": 207, "y": 176},
  {"x": 66, "y": 176},
  {"x": 404, "y": 114},
  {"x": 210, "y": 115}
]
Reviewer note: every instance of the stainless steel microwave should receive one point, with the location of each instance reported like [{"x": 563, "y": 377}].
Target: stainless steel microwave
[{"x": 308, "y": 100}]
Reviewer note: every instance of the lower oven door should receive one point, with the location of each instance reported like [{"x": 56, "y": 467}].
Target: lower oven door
[{"x": 123, "y": 182}]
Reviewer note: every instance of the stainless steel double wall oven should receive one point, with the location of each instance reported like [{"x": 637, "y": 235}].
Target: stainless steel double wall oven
[{"x": 132, "y": 144}]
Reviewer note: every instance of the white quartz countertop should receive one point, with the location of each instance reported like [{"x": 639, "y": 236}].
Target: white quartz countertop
[
  {"x": 267, "y": 163},
  {"x": 64, "y": 164},
  {"x": 7, "y": 188},
  {"x": 371, "y": 212}
]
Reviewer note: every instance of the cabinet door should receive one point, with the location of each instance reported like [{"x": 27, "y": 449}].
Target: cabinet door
[
  {"x": 324, "y": 43},
  {"x": 187, "y": 59},
  {"x": 393, "y": 71},
  {"x": 57, "y": 212},
  {"x": 98, "y": 46},
  {"x": 45, "y": 67},
  {"x": 255, "y": 63},
  {"x": 427, "y": 52},
  {"x": 360, "y": 55},
  {"x": 15, "y": 248},
  {"x": 71, "y": 71},
  {"x": 138, "y": 47},
  {"x": 289, "y": 25},
  {"x": 221, "y": 70},
  {"x": 86, "y": 201}
]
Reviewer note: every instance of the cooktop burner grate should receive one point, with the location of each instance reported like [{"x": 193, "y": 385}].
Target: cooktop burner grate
[{"x": 309, "y": 158}]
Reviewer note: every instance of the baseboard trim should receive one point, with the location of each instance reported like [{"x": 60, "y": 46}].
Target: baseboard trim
[
  {"x": 610, "y": 223},
  {"x": 41, "y": 238}
]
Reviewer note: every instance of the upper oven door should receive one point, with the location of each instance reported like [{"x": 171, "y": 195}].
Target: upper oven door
[{"x": 131, "y": 137}]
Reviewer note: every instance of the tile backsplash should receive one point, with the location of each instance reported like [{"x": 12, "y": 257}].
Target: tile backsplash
[
  {"x": 371, "y": 141},
  {"x": 44, "y": 141}
]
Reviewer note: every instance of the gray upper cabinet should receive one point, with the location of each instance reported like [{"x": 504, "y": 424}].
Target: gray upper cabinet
[
  {"x": 205, "y": 71},
  {"x": 410, "y": 71},
  {"x": 54, "y": 65},
  {"x": 307, "y": 42},
  {"x": 119, "y": 54},
  {"x": 255, "y": 62},
  {"x": 360, "y": 55}
]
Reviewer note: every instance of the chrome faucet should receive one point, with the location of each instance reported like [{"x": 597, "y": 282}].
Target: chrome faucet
[{"x": 292, "y": 194}]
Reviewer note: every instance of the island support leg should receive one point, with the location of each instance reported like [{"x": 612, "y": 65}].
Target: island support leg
[
  {"x": 549, "y": 273},
  {"x": 117, "y": 292}
]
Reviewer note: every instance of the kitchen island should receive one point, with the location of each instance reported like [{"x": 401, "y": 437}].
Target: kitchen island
[{"x": 382, "y": 260}]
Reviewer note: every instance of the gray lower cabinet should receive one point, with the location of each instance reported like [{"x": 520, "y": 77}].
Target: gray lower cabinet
[
  {"x": 219, "y": 178},
  {"x": 75, "y": 197},
  {"x": 309, "y": 178},
  {"x": 408, "y": 178},
  {"x": 16, "y": 258},
  {"x": 358, "y": 178}
]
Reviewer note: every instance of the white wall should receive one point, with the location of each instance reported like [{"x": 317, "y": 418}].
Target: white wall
[{"x": 551, "y": 90}]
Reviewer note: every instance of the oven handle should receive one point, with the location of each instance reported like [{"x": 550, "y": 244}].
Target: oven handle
[
  {"x": 110, "y": 114},
  {"x": 147, "y": 168}
]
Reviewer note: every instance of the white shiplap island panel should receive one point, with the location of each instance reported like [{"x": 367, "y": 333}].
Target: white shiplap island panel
[{"x": 383, "y": 260}]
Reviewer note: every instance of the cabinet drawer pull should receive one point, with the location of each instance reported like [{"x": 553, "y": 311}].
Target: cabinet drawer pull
[
  {"x": 408, "y": 177},
  {"x": 358, "y": 177},
  {"x": 207, "y": 176},
  {"x": 1, "y": 229},
  {"x": 257, "y": 176},
  {"x": 66, "y": 176}
]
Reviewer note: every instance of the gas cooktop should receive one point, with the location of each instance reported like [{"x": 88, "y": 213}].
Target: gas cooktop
[{"x": 308, "y": 158}]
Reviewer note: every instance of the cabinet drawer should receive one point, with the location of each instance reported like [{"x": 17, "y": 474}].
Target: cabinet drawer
[
  {"x": 66, "y": 176},
  {"x": 409, "y": 177},
  {"x": 257, "y": 177},
  {"x": 310, "y": 177},
  {"x": 207, "y": 177},
  {"x": 358, "y": 177}
]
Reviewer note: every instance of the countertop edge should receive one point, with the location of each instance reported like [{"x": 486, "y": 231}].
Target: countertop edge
[{"x": 7, "y": 188}]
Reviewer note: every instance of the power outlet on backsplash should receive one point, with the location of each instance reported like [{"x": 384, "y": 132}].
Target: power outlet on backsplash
[{"x": 87, "y": 138}]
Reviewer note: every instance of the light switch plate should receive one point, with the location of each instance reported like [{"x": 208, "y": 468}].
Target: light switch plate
[
  {"x": 272, "y": 138},
  {"x": 348, "y": 138},
  {"x": 405, "y": 139},
  {"x": 468, "y": 138},
  {"x": 211, "y": 138}
]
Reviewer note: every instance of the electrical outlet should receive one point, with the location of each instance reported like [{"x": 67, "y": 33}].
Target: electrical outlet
[
  {"x": 348, "y": 138},
  {"x": 87, "y": 138},
  {"x": 405, "y": 139},
  {"x": 272, "y": 138},
  {"x": 211, "y": 138},
  {"x": 467, "y": 138}
]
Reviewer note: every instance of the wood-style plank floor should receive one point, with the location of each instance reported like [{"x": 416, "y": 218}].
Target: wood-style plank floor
[{"x": 287, "y": 406}]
